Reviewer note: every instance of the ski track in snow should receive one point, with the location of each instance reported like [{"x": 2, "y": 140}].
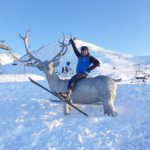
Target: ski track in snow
[{"x": 29, "y": 121}]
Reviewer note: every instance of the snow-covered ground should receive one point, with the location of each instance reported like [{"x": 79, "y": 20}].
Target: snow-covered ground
[{"x": 29, "y": 120}]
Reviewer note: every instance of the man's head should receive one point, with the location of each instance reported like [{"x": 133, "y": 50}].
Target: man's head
[{"x": 84, "y": 50}]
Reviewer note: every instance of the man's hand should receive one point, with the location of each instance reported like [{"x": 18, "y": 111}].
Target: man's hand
[
  {"x": 71, "y": 41},
  {"x": 88, "y": 70}
]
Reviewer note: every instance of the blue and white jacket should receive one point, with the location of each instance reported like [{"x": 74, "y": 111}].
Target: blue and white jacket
[{"x": 85, "y": 63}]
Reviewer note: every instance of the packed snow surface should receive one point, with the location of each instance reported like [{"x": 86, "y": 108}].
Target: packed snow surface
[{"x": 30, "y": 120}]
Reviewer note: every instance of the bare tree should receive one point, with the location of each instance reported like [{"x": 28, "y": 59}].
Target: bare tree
[{"x": 88, "y": 91}]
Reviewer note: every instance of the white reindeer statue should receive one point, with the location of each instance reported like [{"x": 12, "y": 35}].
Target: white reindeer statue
[{"x": 88, "y": 91}]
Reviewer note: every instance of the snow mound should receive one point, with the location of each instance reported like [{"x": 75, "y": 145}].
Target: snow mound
[{"x": 7, "y": 58}]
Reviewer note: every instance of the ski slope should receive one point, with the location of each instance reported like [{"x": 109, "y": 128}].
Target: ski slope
[{"x": 30, "y": 120}]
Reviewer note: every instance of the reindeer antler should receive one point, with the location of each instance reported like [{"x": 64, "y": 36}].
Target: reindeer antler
[
  {"x": 63, "y": 50},
  {"x": 31, "y": 57},
  {"x": 26, "y": 40},
  {"x": 35, "y": 62}
]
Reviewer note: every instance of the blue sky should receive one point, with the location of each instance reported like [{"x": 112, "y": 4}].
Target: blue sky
[{"x": 119, "y": 25}]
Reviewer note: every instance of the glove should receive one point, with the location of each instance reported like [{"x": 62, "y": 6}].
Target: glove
[
  {"x": 88, "y": 70},
  {"x": 71, "y": 41}
]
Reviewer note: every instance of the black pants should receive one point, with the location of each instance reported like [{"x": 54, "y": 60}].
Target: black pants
[{"x": 73, "y": 81}]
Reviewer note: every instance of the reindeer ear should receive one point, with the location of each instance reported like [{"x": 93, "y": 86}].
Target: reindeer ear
[{"x": 56, "y": 63}]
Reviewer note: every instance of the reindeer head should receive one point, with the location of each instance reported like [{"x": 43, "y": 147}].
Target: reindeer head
[{"x": 48, "y": 65}]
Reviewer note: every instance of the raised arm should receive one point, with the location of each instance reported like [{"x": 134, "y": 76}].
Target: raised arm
[{"x": 74, "y": 48}]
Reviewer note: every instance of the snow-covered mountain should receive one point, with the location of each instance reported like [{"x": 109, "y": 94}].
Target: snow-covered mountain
[{"x": 117, "y": 65}]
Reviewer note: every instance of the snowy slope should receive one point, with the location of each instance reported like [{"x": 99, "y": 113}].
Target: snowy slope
[
  {"x": 31, "y": 121},
  {"x": 6, "y": 58},
  {"x": 114, "y": 64}
]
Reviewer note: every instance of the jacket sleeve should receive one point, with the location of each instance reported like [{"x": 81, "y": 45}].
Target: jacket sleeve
[
  {"x": 94, "y": 62},
  {"x": 74, "y": 48}
]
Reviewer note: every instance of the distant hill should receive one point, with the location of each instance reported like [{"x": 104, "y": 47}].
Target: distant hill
[
  {"x": 7, "y": 58},
  {"x": 115, "y": 64}
]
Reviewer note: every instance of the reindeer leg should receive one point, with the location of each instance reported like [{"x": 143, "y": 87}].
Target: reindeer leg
[
  {"x": 109, "y": 109},
  {"x": 66, "y": 109}
]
